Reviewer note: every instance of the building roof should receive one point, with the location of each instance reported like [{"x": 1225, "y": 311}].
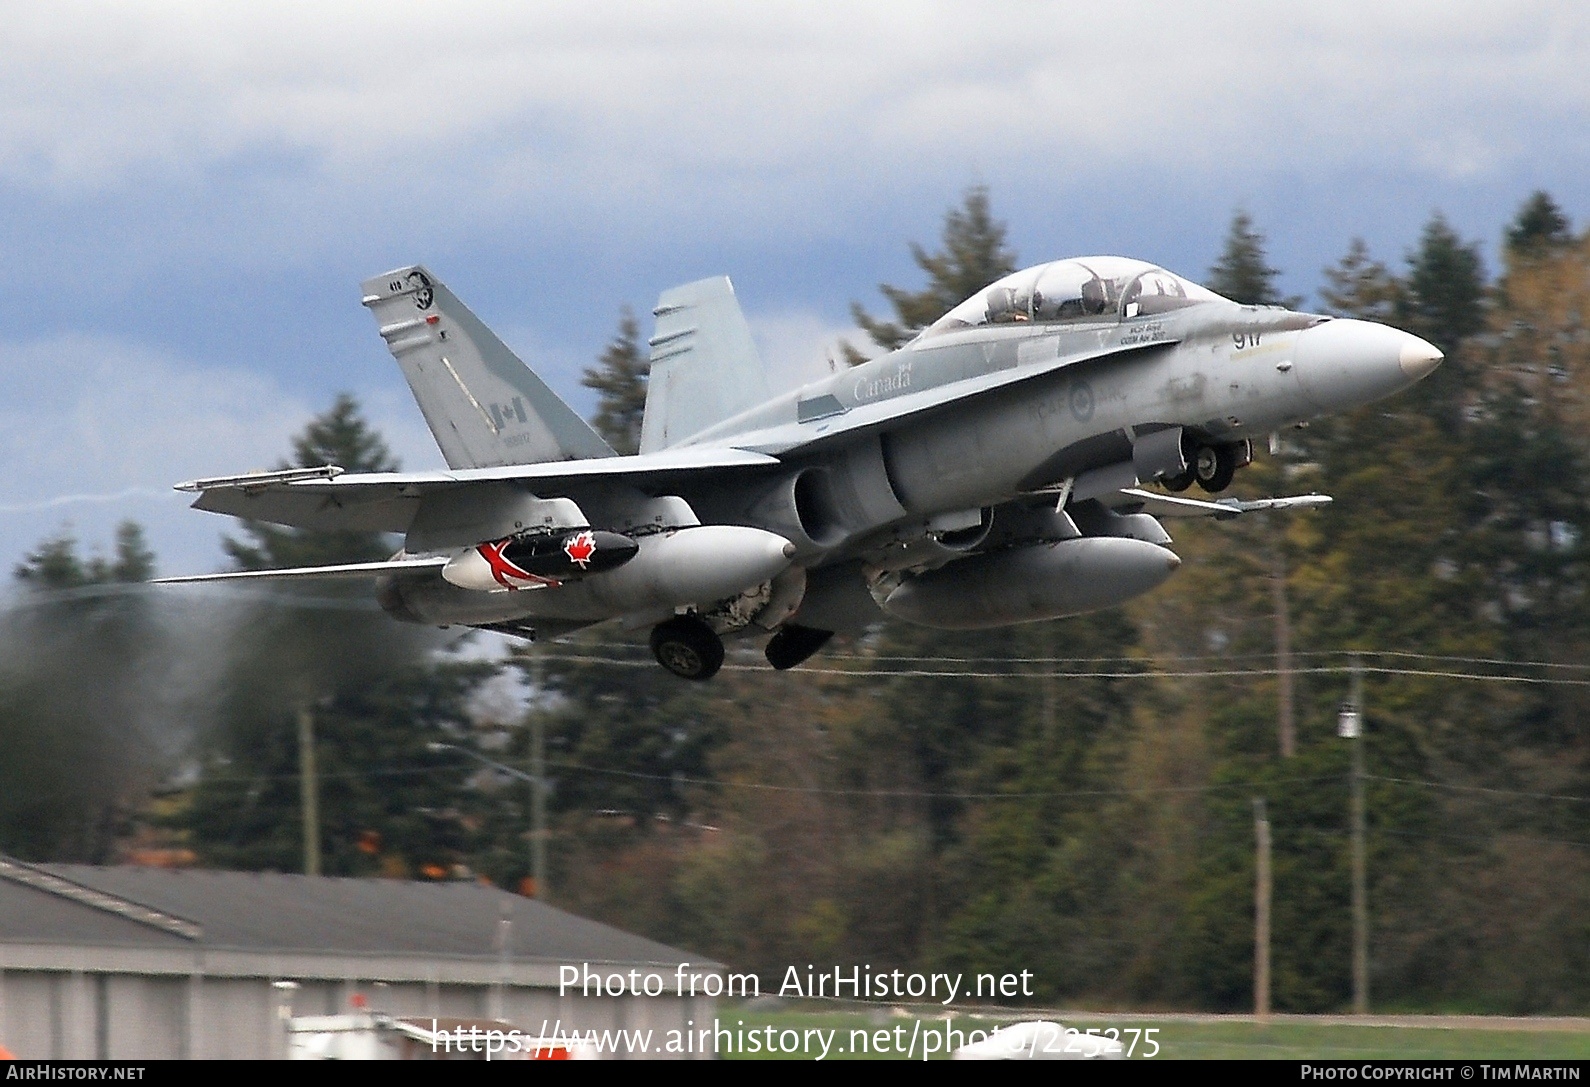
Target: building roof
[{"x": 155, "y": 908}]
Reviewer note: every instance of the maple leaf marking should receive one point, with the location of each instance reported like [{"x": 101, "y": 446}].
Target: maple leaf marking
[{"x": 580, "y": 548}]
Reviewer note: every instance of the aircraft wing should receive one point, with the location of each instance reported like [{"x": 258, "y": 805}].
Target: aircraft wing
[
  {"x": 329, "y": 499},
  {"x": 345, "y": 570},
  {"x": 1132, "y": 500}
]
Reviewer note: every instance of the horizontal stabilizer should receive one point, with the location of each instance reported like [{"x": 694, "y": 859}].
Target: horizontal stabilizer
[
  {"x": 484, "y": 406},
  {"x": 350, "y": 569}
]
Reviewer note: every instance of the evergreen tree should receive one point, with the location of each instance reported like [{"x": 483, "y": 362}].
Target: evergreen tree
[
  {"x": 55, "y": 564},
  {"x": 973, "y": 256},
  {"x": 1538, "y": 227},
  {"x": 134, "y": 561},
  {"x": 389, "y": 805},
  {"x": 77, "y": 704},
  {"x": 1361, "y": 287},
  {"x": 1243, "y": 273},
  {"x": 377, "y": 696},
  {"x": 341, "y": 437},
  {"x": 1444, "y": 299},
  {"x": 619, "y": 378}
]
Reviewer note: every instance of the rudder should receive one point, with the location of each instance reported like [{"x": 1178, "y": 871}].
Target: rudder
[{"x": 484, "y": 406}]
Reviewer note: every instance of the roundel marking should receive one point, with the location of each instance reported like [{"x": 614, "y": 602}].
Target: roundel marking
[{"x": 1081, "y": 400}]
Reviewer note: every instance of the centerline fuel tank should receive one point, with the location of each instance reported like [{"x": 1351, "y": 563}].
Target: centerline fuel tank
[{"x": 1025, "y": 584}]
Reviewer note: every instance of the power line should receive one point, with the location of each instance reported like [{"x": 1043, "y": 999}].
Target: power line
[
  {"x": 1148, "y": 660},
  {"x": 731, "y": 784},
  {"x": 37, "y": 598},
  {"x": 934, "y": 795},
  {"x": 1283, "y": 831},
  {"x": 1212, "y": 673},
  {"x": 1483, "y": 838},
  {"x": 1482, "y": 789},
  {"x": 1313, "y": 654},
  {"x": 382, "y": 772}
]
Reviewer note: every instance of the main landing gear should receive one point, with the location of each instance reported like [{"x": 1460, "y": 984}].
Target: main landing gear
[
  {"x": 1212, "y": 467},
  {"x": 687, "y": 647},
  {"x": 690, "y": 649},
  {"x": 793, "y": 644}
]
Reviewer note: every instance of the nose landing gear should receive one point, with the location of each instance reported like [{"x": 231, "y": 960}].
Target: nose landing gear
[{"x": 687, "y": 647}]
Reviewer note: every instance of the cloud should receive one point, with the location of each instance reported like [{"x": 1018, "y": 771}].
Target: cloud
[
  {"x": 95, "y": 430},
  {"x": 620, "y": 100}
]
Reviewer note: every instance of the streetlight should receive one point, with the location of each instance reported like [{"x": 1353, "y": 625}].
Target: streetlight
[{"x": 538, "y": 808}]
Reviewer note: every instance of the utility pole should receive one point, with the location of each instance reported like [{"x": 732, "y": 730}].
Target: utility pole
[
  {"x": 1047, "y": 686},
  {"x": 499, "y": 1001},
  {"x": 1261, "y": 914},
  {"x": 309, "y": 789},
  {"x": 1283, "y": 651},
  {"x": 1351, "y": 725},
  {"x": 538, "y": 783}
]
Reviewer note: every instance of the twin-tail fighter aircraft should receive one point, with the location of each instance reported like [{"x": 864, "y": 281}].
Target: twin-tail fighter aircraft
[{"x": 986, "y": 473}]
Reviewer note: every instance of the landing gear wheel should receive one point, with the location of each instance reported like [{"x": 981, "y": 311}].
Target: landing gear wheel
[
  {"x": 687, "y": 647},
  {"x": 1215, "y": 466},
  {"x": 1178, "y": 482}
]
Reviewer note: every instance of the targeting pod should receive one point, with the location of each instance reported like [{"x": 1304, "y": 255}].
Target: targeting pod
[{"x": 538, "y": 562}]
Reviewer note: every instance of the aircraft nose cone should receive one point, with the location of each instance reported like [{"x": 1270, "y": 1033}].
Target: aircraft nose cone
[
  {"x": 1172, "y": 560},
  {"x": 1344, "y": 363},
  {"x": 1418, "y": 358}
]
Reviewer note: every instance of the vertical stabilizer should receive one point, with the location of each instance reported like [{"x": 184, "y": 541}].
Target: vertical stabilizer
[
  {"x": 704, "y": 365},
  {"x": 484, "y": 406}
]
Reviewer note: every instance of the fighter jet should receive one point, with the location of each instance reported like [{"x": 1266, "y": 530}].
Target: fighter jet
[{"x": 989, "y": 472}]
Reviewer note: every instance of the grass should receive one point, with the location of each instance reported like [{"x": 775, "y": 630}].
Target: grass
[{"x": 1178, "y": 1038}]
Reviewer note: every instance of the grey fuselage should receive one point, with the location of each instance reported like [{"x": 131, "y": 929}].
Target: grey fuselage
[{"x": 903, "y": 461}]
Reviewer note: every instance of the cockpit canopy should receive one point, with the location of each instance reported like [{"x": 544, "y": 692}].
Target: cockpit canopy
[{"x": 1084, "y": 289}]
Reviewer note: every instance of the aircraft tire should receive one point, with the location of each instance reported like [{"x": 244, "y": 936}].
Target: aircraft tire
[
  {"x": 1178, "y": 482},
  {"x": 1215, "y": 466},
  {"x": 688, "y": 648}
]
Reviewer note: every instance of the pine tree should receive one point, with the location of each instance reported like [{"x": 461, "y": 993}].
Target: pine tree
[
  {"x": 54, "y": 564},
  {"x": 1361, "y": 287},
  {"x": 1539, "y": 227},
  {"x": 973, "y": 256},
  {"x": 76, "y": 708},
  {"x": 1242, "y": 273},
  {"x": 389, "y": 804},
  {"x": 619, "y": 378},
  {"x": 339, "y": 436},
  {"x": 377, "y": 695},
  {"x": 1444, "y": 300}
]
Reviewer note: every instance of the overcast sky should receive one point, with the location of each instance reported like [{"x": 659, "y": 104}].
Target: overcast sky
[{"x": 191, "y": 193}]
